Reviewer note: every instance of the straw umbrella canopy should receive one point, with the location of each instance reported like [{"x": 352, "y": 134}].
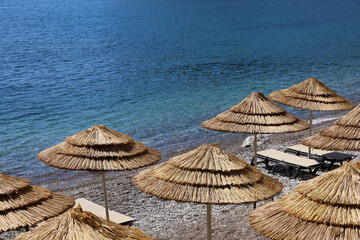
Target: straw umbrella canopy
[
  {"x": 326, "y": 207},
  {"x": 312, "y": 95},
  {"x": 207, "y": 175},
  {"x": 344, "y": 134},
  {"x": 24, "y": 205},
  {"x": 100, "y": 149},
  {"x": 79, "y": 224},
  {"x": 257, "y": 115}
]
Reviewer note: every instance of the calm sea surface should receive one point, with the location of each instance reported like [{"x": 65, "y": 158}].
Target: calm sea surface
[{"x": 156, "y": 69}]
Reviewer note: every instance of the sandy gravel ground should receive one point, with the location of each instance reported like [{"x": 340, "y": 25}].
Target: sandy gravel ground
[{"x": 171, "y": 220}]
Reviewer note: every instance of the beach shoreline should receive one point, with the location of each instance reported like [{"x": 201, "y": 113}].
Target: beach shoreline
[
  {"x": 169, "y": 219},
  {"x": 59, "y": 178},
  {"x": 155, "y": 70}
]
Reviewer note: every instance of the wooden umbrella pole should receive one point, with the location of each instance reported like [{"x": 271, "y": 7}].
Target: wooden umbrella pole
[
  {"x": 208, "y": 210},
  {"x": 310, "y": 131},
  {"x": 105, "y": 196},
  {"x": 255, "y": 150}
]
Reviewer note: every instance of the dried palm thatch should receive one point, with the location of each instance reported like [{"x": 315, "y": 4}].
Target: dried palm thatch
[
  {"x": 78, "y": 224},
  {"x": 23, "y": 204},
  {"x": 344, "y": 134},
  {"x": 256, "y": 114},
  {"x": 207, "y": 175},
  {"x": 272, "y": 222},
  {"x": 326, "y": 207},
  {"x": 99, "y": 148},
  {"x": 311, "y": 94}
]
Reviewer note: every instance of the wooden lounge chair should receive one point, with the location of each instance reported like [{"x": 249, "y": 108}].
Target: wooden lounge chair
[
  {"x": 98, "y": 210},
  {"x": 320, "y": 155},
  {"x": 288, "y": 162}
]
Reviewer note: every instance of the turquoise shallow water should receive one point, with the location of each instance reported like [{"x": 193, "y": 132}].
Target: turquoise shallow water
[{"x": 156, "y": 69}]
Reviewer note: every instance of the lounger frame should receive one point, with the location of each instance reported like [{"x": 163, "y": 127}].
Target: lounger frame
[
  {"x": 320, "y": 155},
  {"x": 288, "y": 166}
]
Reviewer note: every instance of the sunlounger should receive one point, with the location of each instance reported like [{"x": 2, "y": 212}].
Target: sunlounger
[
  {"x": 98, "y": 210},
  {"x": 320, "y": 155},
  {"x": 287, "y": 161}
]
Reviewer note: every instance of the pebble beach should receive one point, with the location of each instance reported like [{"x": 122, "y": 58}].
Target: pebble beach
[
  {"x": 162, "y": 219},
  {"x": 156, "y": 70}
]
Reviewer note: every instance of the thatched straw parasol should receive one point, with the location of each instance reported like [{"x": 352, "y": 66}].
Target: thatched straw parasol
[
  {"x": 312, "y": 95},
  {"x": 207, "y": 175},
  {"x": 77, "y": 224},
  {"x": 326, "y": 207},
  {"x": 24, "y": 205},
  {"x": 344, "y": 134},
  {"x": 100, "y": 149},
  {"x": 257, "y": 115}
]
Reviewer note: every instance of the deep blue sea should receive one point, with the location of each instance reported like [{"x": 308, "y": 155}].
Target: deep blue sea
[{"x": 155, "y": 69}]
